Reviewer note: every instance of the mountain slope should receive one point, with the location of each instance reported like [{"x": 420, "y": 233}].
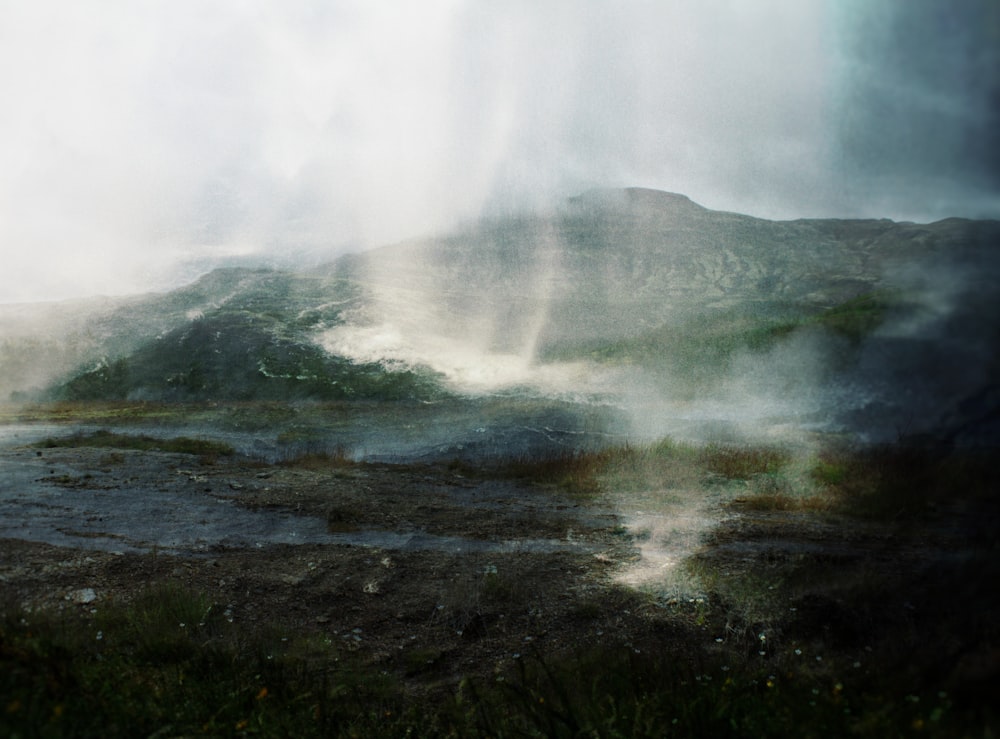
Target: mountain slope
[
  {"x": 640, "y": 275},
  {"x": 702, "y": 302},
  {"x": 246, "y": 338},
  {"x": 621, "y": 262}
]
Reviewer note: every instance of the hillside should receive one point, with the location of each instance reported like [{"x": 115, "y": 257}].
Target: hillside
[
  {"x": 701, "y": 303},
  {"x": 618, "y": 263},
  {"x": 237, "y": 335}
]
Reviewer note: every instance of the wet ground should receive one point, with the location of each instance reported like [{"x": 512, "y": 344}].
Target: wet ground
[
  {"x": 436, "y": 570},
  {"x": 380, "y": 557},
  {"x": 132, "y": 501}
]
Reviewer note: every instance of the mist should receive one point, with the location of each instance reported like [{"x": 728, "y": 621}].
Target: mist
[{"x": 144, "y": 144}]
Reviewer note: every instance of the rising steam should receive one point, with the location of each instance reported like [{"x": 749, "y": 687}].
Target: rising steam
[{"x": 479, "y": 327}]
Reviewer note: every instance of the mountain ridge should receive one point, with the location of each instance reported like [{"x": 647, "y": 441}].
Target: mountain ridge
[{"x": 632, "y": 277}]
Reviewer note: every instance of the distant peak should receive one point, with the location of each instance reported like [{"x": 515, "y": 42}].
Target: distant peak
[
  {"x": 635, "y": 196},
  {"x": 659, "y": 197}
]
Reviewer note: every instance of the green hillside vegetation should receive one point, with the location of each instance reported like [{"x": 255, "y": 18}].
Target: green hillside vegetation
[
  {"x": 700, "y": 348},
  {"x": 631, "y": 276},
  {"x": 251, "y": 353}
]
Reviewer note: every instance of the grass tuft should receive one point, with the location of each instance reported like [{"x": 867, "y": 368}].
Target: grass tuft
[
  {"x": 742, "y": 462},
  {"x": 322, "y": 460},
  {"x": 138, "y": 442}
]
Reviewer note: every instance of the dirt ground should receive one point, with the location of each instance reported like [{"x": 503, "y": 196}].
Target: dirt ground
[
  {"x": 440, "y": 572},
  {"x": 433, "y": 573}
]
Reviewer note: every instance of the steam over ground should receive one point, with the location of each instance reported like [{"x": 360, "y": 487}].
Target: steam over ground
[
  {"x": 146, "y": 144},
  {"x": 699, "y": 323}
]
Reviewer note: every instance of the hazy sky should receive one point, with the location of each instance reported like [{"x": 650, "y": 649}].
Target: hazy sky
[{"x": 139, "y": 138}]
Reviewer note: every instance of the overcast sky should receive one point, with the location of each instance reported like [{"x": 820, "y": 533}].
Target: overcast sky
[{"x": 140, "y": 139}]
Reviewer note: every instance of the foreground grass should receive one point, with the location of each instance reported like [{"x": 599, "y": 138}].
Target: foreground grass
[{"x": 171, "y": 663}]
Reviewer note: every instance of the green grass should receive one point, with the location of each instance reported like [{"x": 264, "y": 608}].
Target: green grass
[
  {"x": 98, "y": 412},
  {"x": 741, "y": 462},
  {"x": 138, "y": 442},
  {"x": 172, "y": 663},
  {"x": 696, "y": 352},
  {"x": 857, "y": 318},
  {"x": 631, "y": 692}
]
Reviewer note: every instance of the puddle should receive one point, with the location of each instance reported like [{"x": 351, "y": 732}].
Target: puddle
[{"x": 48, "y": 498}]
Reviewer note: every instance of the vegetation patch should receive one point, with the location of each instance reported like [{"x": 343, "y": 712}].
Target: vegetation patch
[
  {"x": 697, "y": 352},
  {"x": 662, "y": 464},
  {"x": 741, "y": 462},
  {"x": 860, "y": 316},
  {"x": 172, "y": 660},
  {"x": 110, "y": 439},
  {"x": 322, "y": 460},
  {"x": 237, "y": 354},
  {"x": 904, "y": 481}
]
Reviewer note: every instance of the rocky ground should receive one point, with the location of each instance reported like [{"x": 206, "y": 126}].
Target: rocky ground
[
  {"x": 435, "y": 572},
  {"x": 422, "y": 566}
]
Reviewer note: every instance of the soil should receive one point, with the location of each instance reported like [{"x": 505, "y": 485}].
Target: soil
[
  {"x": 417, "y": 567},
  {"x": 434, "y": 573}
]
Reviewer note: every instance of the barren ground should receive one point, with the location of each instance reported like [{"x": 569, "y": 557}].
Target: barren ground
[
  {"x": 434, "y": 573},
  {"x": 418, "y": 559}
]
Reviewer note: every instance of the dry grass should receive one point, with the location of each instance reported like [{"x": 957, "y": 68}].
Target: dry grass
[
  {"x": 325, "y": 460},
  {"x": 785, "y": 502}
]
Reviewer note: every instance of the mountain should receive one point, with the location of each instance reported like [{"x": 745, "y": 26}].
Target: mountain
[
  {"x": 618, "y": 263},
  {"x": 236, "y": 334},
  {"x": 889, "y": 318}
]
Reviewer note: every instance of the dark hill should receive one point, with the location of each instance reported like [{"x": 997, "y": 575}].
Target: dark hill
[{"x": 251, "y": 347}]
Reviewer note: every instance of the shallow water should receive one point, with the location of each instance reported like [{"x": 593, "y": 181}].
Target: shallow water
[{"x": 45, "y": 497}]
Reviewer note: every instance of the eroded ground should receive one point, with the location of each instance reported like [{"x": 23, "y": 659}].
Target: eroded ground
[
  {"x": 436, "y": 572},
  {"x": 392, "y": 561}
]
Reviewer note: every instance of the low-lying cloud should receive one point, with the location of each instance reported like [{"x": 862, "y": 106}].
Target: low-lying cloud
[{"x": 144, "y": 141}]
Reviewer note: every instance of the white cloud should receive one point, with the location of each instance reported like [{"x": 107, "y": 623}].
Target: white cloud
[{"x": 138, "y": 133}]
